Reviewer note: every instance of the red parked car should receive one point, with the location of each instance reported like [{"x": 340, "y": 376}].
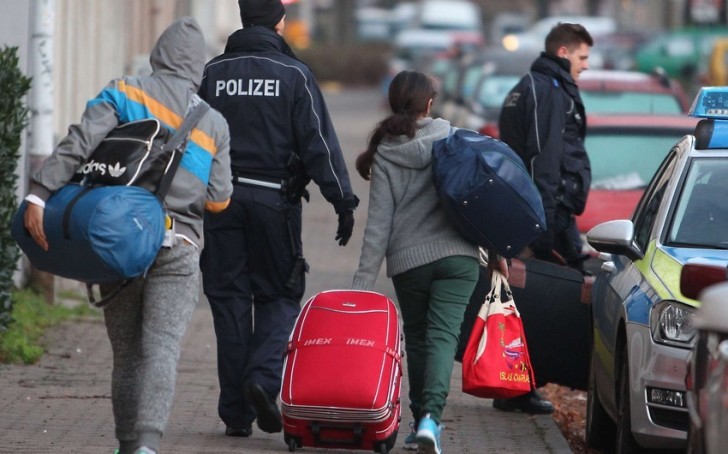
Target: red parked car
[
  {"x": 604, "y": 92},
  {"x": 632, "y": 92},
  {"x": 625, "y": 151}
]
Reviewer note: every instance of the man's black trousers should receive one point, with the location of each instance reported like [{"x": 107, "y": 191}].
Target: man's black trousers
[{"x": 249, "y": 254}]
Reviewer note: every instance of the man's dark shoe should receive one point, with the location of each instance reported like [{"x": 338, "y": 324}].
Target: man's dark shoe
[
  {"x": 269, "y": 417},
  {"x": 239, "y": 432},
  {"x": 531, "y": 403}
]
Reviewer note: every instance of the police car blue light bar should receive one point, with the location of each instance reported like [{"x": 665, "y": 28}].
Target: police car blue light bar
[{"x": 711, "y": 103}]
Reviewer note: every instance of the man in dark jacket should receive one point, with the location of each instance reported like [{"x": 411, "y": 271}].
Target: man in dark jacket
[
  {"x": 253, "y": 266},
  {"x": 544, "y": 121}
]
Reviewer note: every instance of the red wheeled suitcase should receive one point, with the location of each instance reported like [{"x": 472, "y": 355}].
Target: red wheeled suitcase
[{"x": 342, "y": 373}]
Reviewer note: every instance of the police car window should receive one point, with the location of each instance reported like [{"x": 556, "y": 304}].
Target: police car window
[
  {"x": 646, "y": 212},
  {"x": 701, "y": 214}
]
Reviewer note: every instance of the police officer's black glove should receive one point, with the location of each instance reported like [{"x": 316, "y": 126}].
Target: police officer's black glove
[{"x": 346, "y": 226}]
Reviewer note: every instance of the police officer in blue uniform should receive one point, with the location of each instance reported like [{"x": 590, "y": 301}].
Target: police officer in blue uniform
[
  {"x": 253, "y": 266},
  {"x": 544, "y": 121}
]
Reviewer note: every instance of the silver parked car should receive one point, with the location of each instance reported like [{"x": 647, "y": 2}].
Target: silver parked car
[{"x": 707, "y": 379}]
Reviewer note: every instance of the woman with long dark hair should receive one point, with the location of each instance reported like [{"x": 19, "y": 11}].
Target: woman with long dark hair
[{"x": 434, "y": 270}]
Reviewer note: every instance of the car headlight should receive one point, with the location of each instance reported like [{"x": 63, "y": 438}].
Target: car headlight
[{"x": 672, "y": 323}]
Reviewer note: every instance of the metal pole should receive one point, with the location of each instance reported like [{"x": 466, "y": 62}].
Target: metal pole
[
  {"x": 41, "y": 70},
  {"x": 40, "y": 105}
]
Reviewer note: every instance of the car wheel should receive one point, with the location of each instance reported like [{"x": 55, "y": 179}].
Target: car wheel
[
  {"x": 599, "y": 427},
  {"x": 625, "y": 442}
]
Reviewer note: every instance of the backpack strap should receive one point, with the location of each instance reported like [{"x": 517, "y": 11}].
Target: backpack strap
[
  {"x": 178, "y": 143},
  {"x": 103, "y": 301}
]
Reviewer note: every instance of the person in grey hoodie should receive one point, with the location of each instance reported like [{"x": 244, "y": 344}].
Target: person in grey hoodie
[
  {"x": 145, "y": 322},
  {"x": 434, "y": 270}
]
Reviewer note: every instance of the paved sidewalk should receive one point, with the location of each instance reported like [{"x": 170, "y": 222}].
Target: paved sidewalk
[{"x": 62, "y": 405}]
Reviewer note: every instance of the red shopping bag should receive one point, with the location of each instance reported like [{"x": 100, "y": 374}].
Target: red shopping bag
[{"x": 496, "y": 364}]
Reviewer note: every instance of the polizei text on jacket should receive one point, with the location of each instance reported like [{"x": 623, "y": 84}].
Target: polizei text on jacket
[{"x": 250, "y": 87}]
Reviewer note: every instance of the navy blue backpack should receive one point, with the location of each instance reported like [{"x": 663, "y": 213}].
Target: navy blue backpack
[{"x": 487, "y": 192}]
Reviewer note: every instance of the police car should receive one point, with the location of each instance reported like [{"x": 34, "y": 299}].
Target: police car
[{"x": 641, "y": 322}]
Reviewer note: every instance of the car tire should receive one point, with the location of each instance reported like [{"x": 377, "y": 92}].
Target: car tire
[
  {"x": 599, "y": 426},
  {"x": 624, "y": 441}
]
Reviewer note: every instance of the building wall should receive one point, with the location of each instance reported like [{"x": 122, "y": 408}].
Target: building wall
[
  {"x": 14, "y": 26},
  {"x": 97, "y": 40},
  {"x": 93, "y": 41}
]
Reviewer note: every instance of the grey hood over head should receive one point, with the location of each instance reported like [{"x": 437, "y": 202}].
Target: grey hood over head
[
  {"x": 180, "y": 50},
  {"x": 177, "y": 60}
]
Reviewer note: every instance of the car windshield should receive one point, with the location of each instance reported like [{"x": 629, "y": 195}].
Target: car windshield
[
  {"x": 622, "y": 160},
  {"x": 440, "y": 66},
  {"x": 602, "y": 102},
  {"x": 470, "y": 79},
  {"x": 701, "y": 215},
  {"x": 494, "y": 89}
]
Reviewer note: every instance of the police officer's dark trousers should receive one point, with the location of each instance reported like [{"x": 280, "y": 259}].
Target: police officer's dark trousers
[{"x": 249, "y": 254}]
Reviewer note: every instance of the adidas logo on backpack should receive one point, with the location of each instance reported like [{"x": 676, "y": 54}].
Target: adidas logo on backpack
[
  {"x": 101, "y": 168},
  {"x": 117, "y": 170}
]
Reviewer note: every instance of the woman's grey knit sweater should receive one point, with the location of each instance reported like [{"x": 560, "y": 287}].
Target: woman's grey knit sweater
[{"x": 406, "y": 222}]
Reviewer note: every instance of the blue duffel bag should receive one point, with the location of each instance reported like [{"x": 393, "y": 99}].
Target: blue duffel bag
[
  {"x": 487, "y": 192},
  {"x": 96, "y": 235}
]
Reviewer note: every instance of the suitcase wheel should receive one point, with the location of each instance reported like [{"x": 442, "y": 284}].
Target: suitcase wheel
[
  {"x": 292, "y": 442},
  {"x": 388, "y": 444}
]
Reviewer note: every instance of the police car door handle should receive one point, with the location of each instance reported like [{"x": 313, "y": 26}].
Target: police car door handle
[{"x": 608, "y": 266}]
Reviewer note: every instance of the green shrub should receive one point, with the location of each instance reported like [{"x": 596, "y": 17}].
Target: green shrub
[
  {"x": 32, "y": 315},
  {"x": 13, "y": 118}
]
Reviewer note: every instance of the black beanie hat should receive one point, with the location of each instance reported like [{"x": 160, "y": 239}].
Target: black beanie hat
[{"x": 261, "y": 12}]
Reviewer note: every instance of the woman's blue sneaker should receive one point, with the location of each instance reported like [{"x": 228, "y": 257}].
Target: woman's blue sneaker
[{"x": 428, "y": 436}]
